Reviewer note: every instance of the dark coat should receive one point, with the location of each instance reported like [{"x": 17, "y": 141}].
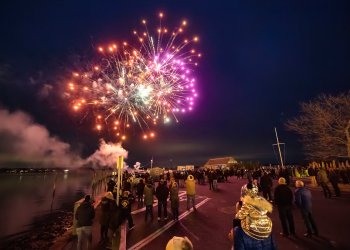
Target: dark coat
[
  {"x": 162, "y": 192},
  {"x": 110, "y": 185},
  {"x": 283, "y": 196},
  {"x": 106, "y": 210},
  {"x": 266, "y": 181},
  {"x": 139, "y": 188},
  {"x": 85, "y": 214},
  {"x": 116, "y": 218},
  {"x": 125, "y": 202}
]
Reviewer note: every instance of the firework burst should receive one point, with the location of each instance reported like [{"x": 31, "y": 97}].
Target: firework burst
[{"x": 143, "y": 84}]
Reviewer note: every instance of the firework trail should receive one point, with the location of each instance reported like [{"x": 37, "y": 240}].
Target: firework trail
[{"x": 143, "y": 84}]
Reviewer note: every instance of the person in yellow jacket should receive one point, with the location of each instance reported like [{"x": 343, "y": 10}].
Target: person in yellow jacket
[{"x": 191, "y": 192}]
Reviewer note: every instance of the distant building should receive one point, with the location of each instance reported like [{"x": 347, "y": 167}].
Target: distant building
[
  {"x": 184, "y": 168},
  {"x": 223, "y": 162}
]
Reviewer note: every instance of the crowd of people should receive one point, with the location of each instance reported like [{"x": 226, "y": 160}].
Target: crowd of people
[
  {"x": 251, "y": 223},
  {"x": 252, "y": 226},
  {"x": 115, "y": 211}
]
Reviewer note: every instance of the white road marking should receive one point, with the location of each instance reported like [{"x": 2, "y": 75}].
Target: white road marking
[{"x": 161, "y": 230}]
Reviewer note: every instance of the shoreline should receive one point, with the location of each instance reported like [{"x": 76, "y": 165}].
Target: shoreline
[{"x": 43, "y": 234}]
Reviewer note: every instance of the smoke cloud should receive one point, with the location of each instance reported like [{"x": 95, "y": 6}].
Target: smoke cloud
[
  {"x": 137, "y": 165},
  {"x": 24, "y": 141},
  {"x": 106, "y": 155}
]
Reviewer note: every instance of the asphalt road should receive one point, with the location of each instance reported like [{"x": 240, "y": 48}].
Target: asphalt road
[{"x": 208, "y": 227}]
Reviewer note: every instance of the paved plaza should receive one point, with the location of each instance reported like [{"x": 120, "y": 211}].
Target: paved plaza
[{"x": 208, "y": 227}]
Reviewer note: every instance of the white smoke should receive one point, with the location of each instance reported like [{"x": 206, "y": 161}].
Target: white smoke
[
  {"x": 137, "y": 165},
  {"x": 22, "y": 140},
  {"x": 107, "y": 154}
]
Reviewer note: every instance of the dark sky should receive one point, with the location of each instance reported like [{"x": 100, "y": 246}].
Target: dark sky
[{"x": 261, "y": 59}]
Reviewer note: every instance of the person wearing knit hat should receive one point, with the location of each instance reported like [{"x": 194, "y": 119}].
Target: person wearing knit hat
[
  {"x": 179, "y": 243},
  {"x": 256, "y": 226},
  {"x": 191, "y": 192},
  {"x": 283, "y": 198}
]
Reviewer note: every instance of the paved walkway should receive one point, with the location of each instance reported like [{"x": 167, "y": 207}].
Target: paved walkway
[{"x": 207, "y": 228}]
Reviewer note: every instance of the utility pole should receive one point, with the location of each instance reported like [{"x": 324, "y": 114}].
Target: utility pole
[{"x": 279, "y": 148}]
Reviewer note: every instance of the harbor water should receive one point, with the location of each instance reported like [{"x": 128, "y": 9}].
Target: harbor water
[{"x": 27, "y": 198}]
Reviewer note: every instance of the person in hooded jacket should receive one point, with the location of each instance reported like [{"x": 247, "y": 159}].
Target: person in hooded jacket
[
  {"x": 105, "y": 217},
  {"x": 148, "y": 191},
  {"x": 174, "y": 200},
  {"x": 84, "y": 215},
  {"x": 125, "y": 205},
  {"x": 256, "y": 227},
  {"x": 191, "y": 192}
]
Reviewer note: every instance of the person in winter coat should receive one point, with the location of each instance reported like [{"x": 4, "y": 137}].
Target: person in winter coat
[
  {"x": 84, "y": 215},
  {"x": 255, "y": 230},
  {"x": 334, "y": 180},
  {"x": 322, "y": 180},
  {"x": 266, "y": 186},
  {"x": 303, "y": 201},
  {"x": 174, "y": 200},
  {"x": 162, "y": 193},
  {"x": 110, "y": 185},
  {"x": 148, "y": 191},
  {"x": 125, "y": 205},
  {"x": 139, "y": 192},
  {"x": 312, "y": 173},
  {"x": 284, "y": 201},
  {"x": 210, "y": 179},
  {"x": 106, "y": 210},
  {"x": 116, "y": 219},
  {"x": 191, "y": 192}
]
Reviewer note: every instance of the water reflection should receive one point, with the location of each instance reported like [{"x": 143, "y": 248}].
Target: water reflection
[{"x": 24, "y": 198}]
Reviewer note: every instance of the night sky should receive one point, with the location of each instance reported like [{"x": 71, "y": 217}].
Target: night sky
[{"x": 260, "y": 60}]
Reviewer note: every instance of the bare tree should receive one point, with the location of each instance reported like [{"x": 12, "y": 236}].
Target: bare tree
[{"x": 324, "y": 126}]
